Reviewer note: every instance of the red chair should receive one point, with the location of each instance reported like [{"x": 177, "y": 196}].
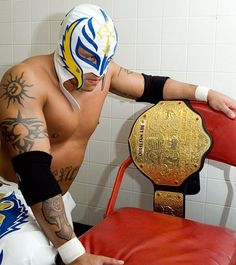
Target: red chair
[{"x": 144, "y": 237}]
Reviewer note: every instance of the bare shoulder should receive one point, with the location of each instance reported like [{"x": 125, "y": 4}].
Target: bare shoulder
[
  {"x": 22, "y": 121},
  {"x": 116, "y": 70},
  {"x": 23, "y": 83},
  {"x": 125, "y": 83}
]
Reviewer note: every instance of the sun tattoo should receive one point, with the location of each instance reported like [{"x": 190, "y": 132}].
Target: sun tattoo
[{"x": 15, "y": 89}]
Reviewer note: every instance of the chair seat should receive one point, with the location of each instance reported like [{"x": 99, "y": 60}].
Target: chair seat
[{"x": 162, "y": 240}]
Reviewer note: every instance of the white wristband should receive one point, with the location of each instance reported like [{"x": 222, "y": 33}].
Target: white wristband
[
  {"x": 71, "y": 250},
  {"x": 201, "y": 93}
]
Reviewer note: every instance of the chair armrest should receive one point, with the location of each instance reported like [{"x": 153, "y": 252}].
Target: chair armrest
[{"x": 116, "y": 186}]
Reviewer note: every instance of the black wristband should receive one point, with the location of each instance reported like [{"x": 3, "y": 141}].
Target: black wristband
[
  {"x": 36, "y": 180},
  {"x": 153, "y": 89}
]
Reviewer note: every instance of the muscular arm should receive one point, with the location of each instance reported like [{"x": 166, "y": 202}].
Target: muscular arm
[
  {"x": 131, "y": 85},
  {"x": 51, "y": 216},
  {"x": 126, "y": 83},
  {"x": 23, "y": 129}
]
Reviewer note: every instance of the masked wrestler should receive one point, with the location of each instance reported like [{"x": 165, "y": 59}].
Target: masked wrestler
[{"x": 49, "y": 107}]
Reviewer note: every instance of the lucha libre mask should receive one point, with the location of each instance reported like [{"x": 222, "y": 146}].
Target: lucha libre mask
[{"x": 90, "y": 28}]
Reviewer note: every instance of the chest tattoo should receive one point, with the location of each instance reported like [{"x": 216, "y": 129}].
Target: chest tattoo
[{"x": 66, "y": 174}]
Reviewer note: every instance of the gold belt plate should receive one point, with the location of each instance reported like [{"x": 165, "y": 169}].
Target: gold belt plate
[{"x": 168, "y": 142}]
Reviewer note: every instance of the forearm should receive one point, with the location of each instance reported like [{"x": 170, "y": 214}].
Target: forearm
[
  {"x": 43, "y": 194},
  {"x": 178, "y": 90},
  {"x": 51, "y": 216},
  {"x": 163, "y": 88},
  {"x": 172, "y": 89}
]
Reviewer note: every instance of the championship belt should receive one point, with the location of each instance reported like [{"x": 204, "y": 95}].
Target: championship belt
[{"x": 168, "y": 144}]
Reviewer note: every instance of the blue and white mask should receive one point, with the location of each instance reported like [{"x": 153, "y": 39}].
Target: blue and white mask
[{"x": 88, "y": 27}]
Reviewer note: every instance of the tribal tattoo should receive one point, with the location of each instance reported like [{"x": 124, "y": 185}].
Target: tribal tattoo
[
  {"x": 22, "y": 132},
  {"x": 54, "y": 213},
  {"x": 66, "y": 174},
  {"x": 15, "y": 89}
]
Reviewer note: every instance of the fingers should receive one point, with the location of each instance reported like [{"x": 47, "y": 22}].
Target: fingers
[
  {"x": 228, "y": 112},
  {"x": 111, "y": 261},
  {"x": 231, "y": 114},
  {"x": 221, "y": 102},
  {"x": 91, "y": 259},
  {"x": 232, "y": 110}
]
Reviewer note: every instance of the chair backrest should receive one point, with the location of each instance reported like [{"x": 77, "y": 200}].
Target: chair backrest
[
  {"x": 222, "y": 131},
  {"x": 168, "y": 144}
]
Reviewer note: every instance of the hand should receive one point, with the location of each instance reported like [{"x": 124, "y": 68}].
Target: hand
[
  {"x": 222, "y": 103},
  {"x": 90, "y": 259}
]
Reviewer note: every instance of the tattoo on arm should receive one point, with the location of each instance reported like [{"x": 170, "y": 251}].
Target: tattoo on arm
[
  {"x": 54, "y": 214},
  {"x": 15, "y": 89},
  {"x": 120, "y": 93},
  {"x": 66, "y": 174},
  {"x": 22, "y": 132},
  {"x": 117, "y": 91},
  {"x": 126, "y": 70}
]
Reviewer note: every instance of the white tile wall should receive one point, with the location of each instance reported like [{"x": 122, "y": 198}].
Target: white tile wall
[
  {"x": 203, "y": 8},
  {"x": 126, "y": 37},
  {"x": 174, "y": 30},
  {"x": 145, "y": 36},
  {"x": 200, "y": 58},
  {"x": 6, "y": 54},
  {"x": 22, "y": 36},
  {"x": 225, "y": 26},
  {"x": 189, "y": 40},
  {"x": 175, "y": 8},
  {"x": 225, "y": 56},
  {"x": 227, "y": 7},
  {"x": 40, "y": 10},
  {"x": 150, "y": 9},
  {"x": 201, "y": 30},
  {"x": 174, "y": 57},
  {"x": 125, "y": 9},
  {"x": 125, "y": 51},
  {"x": 6, "y": 33},
  {"x": 21, "y": 10},
  {"x": 5, "y": 11}
]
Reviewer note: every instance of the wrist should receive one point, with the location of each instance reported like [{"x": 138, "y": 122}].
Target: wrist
[
  {"x": 201, "y": 93},
  {"x": 71, "y": 250}
]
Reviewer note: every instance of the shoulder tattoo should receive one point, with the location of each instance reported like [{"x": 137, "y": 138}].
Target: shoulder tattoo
[
  {"x": 125, "y": 70},
  {"x": 15, "y": 89},
  {"x": 22, "y": 132}
]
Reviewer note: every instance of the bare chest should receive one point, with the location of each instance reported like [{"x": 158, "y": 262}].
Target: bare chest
[
  {"x": 64, "y": 122},
  {"x": 69, "y": 131}
]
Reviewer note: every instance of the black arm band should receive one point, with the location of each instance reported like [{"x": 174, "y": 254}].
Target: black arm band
[
  {"x": 36, "y": 180},
  {"x": 153, "y": 89}
]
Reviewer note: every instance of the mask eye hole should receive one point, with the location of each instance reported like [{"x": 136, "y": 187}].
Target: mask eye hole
[{"x": 87, "y": 56}]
